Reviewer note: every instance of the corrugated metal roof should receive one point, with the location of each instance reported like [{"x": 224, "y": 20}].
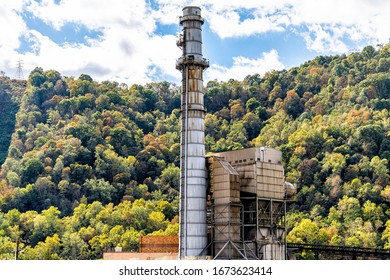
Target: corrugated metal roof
[{"x": 227, "y": 166}]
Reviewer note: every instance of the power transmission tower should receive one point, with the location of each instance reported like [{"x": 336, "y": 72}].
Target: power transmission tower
[{"x": 19, "y": 70}]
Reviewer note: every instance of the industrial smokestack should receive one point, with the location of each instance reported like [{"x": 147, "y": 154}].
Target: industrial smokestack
[{"x": 193, "y": 174}]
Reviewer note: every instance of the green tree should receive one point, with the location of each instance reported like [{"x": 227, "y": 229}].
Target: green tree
[
  {"x": 293, "y": 104},
  {"x": 99, "y": 190},
  {"x": 372, "y": 212},
  {"x": 379, "y": 166},
  {"x": 130, "y": 240},
  {"x": 252, "y": 104},
  {"x": 73, "y": 247},
  {"x": 115, "y": 235},
  {"x": 169, "y": 178},
  {"x": 46, "y": 224},
  {"x": 349, "y": 208},
  {"x": 335, "y": 162},
  {"x": 47, "y": 250},
  {"x": 386, "y": 235},
  {"x": 13, "y": 179},
  {"x": 306, "y": 231},
  {"x": 31, "y": 169},
  {"x": 36, "y": 77},
  {"x": 156, "y": 221},
  {"x": 252, "y": 125}
]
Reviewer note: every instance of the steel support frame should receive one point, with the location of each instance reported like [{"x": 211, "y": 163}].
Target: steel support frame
[
  {"x": 269, "y": 217},
  {"x": 222, "y": 224}
]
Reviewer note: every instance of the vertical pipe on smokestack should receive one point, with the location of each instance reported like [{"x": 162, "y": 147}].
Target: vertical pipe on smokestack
[{"x": 193, "y": 224}]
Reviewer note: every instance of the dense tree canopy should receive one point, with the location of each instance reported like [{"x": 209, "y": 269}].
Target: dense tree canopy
[{"x": 94, "y": 165}]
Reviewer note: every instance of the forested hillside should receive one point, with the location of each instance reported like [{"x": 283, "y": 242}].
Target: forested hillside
[
  {"x": 10, "y": 95},
  {"x": 94, "y": 165}
]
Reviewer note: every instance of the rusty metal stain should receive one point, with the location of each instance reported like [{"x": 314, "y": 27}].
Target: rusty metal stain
[
  {"x": 196, "y": 98},
  {"x": 195, "y": 72},
  {"x": 192, "y": 85},
  {"x": 192, "y": 74}
]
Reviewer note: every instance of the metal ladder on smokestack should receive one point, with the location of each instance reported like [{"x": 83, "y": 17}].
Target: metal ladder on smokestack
[
  {"x": 182, "y": 152},
  {"x": 180, "y": 44}
]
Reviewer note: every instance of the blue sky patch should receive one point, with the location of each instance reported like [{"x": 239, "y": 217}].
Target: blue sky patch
[
  {"x": 253, "y": 46},
  {"x": 25, "y": 45},
  {"x": 167, "y": 29},
  {"x": 70, "y": 33}
]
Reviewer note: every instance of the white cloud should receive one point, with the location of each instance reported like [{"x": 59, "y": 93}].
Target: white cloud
[
  {"x": 121, "y": 53},
  {"x": 228, "y": 24},
  {"x": 243, "y": 66},
  {"x": 362, "y": 21},
  {"x": 320, "y": 38},
  {"x": 12, "y": 27},
  {"x": 95, "y": 14},
  {"x": 331, "y": 22},
  {"x": 126, "y": 50},
  {"x": 9, "y": 38},
  {"x": 129, "y": 50}
]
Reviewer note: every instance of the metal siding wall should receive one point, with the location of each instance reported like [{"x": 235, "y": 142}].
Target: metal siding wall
[
  {"x": 226, "y": 212},
  {"x": 262, "y": 176}
]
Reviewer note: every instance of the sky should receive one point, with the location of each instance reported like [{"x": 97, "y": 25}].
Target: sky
[{"x": 134, "y": 41}]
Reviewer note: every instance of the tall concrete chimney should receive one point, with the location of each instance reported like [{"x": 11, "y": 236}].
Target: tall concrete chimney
[{"x": 193, "y": 174}]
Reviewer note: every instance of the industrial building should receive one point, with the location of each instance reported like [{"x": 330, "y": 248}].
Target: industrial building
[
  {"x": 247, "y": 204},
  {"x": 245, "y": 208}
]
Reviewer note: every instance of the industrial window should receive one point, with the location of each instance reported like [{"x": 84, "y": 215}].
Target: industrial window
[{"x": 244, "y": 160}]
